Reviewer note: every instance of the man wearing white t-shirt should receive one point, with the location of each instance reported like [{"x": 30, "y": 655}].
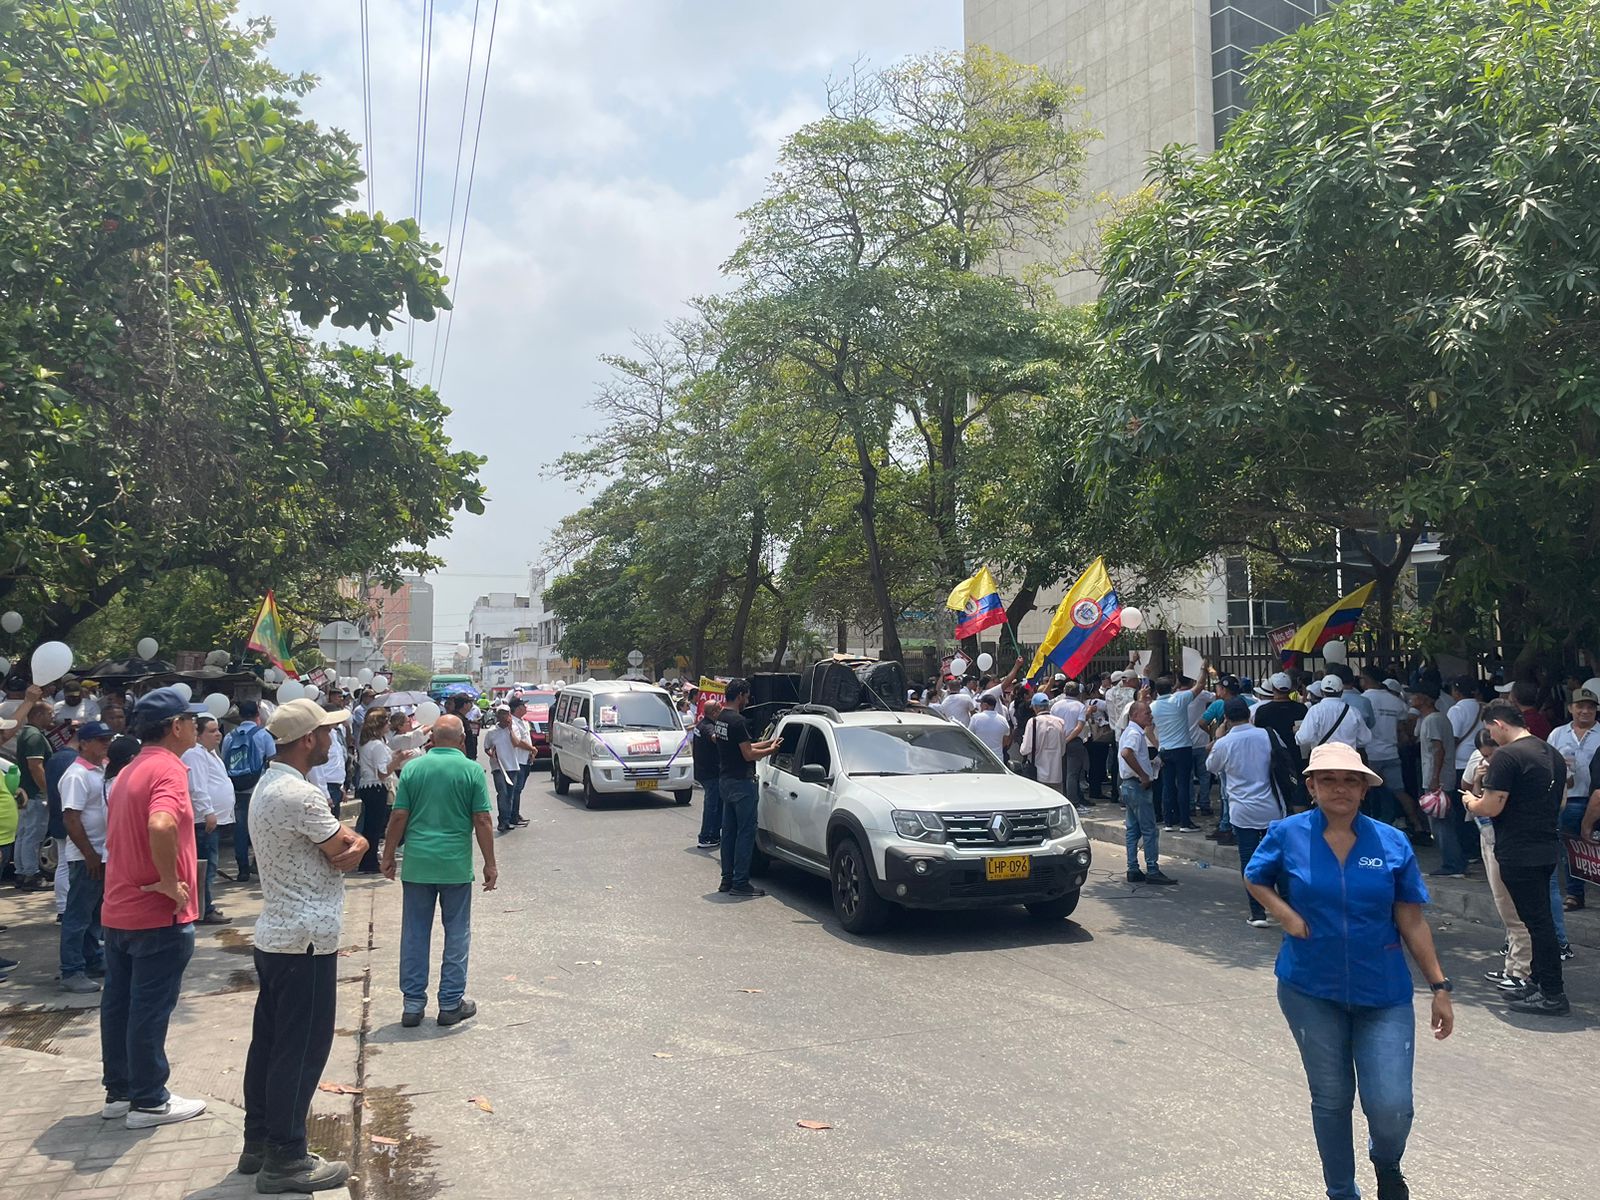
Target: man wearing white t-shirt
[
  {"x": 1074, "y": 716},
  {"x": 83, "y": 811},
  {"x": 960, "y": 704},
  {"x": 993, "y": 730},
  {"x": 1137, "y": 769}
]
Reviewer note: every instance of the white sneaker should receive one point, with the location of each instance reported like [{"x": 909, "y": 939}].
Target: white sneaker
[
  {"x": 1260, "y": 922},
  {"x": 114, "y": 1109},
  {"x": 80, "y": 984},
  {"x": 174, "y": 1110}
]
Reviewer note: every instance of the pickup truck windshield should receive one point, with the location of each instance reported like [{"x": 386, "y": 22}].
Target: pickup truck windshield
[{"x": 913, "y": 750}]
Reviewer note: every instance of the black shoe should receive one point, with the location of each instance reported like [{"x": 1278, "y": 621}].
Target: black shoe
[
  {"x": 725, "y": 886},
  {"x": 252, "y": 1158},
  {"x": 1136, "y": 876},
  {"x": 1213, "y": 835},
  {"x": 215, "y": 917},
  {"x": 313, "y": 1173},
  {"x": 7, "y": 963},
  {"x": 1188, "y": 829},
  {"x": 1505, "y": 980},
  {"x": 745, "y": 891},
  {"x": 1158, "y": 877},
  {"x": 1392, "y": 1184},
  {"x": 410, "y": 1020},
  {"x": 453, "y": 1016},
  {"x": 1538, "y": 1004},
  {"x": 520, "y": 822},
  {"x": 1567, "y": 952},
  {"x": 1087, "y": 804},
  {"x": 1226, "y": 838}
]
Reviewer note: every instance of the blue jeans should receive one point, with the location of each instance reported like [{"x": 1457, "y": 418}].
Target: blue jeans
[
  {"x": 1202, "y": 784},
  {"x": 1224, "y": 825},
  {"x": 241, "y": 830},
  {"x": 711, "y": 809},
  {"x": 416, "y": 941},
  {"x": 205, "y": 849},
  {"x": 1138, "y": 823},
  {"x": 33, "y": 823},
  {"x": 738, "y": 830},
  {"x": 144, "y": 972},
  {"x": 505, "y": 796},
  {"x": 1447, "y": 832},
  {"x": 1177, "y": 778},
  {"x": 1345, "y": 1047},
  {"x": 1571, "y": 824},
  {"x": 1248, "y": 840},
  {"x": 80, "y": 924},
  {"x": 516, "y": 797},
  {"x": 1557, "y": 911}
]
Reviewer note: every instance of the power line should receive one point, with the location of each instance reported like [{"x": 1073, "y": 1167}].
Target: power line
[
  {"x": 466, "y": 212},
  {"x": 424, "y": 86},
  {"x": 366, "y": 105},
  {"x": 455, "y": 178}
]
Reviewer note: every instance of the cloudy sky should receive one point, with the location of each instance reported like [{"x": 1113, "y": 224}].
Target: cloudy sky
[{"x": 620, "y": 137}]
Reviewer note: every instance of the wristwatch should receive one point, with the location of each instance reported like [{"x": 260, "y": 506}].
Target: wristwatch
[{"x": 1444, "y": 985}]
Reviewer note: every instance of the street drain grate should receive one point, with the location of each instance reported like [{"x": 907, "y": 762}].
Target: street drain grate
[{"x": 37, "y": 1029}]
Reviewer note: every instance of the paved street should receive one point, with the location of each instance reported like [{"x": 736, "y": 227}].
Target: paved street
[{"x": 642, "y": 1036}]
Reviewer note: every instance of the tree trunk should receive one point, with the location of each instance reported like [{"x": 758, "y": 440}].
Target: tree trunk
[
  {"x": 697, "y": 644},
  {"x": 783, "y": 642},
  {"x": 1386, "y": 571},
  {"x": 747, "y": 591},
  {"x": 867, "y": 508},
  {"x": 841, "y": 636},
  {"x": 61, "y": 618}
]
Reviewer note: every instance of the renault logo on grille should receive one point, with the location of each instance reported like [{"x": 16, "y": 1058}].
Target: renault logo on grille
[{"x": 1000, "y": 828}]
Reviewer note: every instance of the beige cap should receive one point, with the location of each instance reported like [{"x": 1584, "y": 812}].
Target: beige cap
[
  {"x": 1336, "y": 756},
  {"x": 292, "y": 721},
  {"x": 1584, "y": 695}
]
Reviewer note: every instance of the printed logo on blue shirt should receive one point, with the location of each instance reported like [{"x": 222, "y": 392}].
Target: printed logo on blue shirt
[{"x": 1376, "y": 864}]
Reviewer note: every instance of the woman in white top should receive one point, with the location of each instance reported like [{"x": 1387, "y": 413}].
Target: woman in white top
[
  {"x": 373, "y": 760},
  {"x": 211, "y": 793}
]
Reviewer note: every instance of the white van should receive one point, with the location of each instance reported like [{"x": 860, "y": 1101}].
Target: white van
[{"x": 619, "y": 735}]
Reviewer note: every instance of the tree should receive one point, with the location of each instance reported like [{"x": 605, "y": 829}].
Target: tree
[
  {"x": 410, "y": 676},
  {"x": 1373, "y": 309},
  {"x": 172, "y": 228}
]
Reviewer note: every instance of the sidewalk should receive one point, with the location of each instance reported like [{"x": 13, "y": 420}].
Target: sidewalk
[{"x": 53, "y": 1142}]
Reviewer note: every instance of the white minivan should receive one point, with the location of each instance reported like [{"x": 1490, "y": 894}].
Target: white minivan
[{"x": 619, "y": 735}]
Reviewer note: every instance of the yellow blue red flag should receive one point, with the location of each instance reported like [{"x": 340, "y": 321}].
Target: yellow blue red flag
[
  {"x": 1088, "y": 617},
  {"x": 978, "y": 601},
  {"x": 1338, "y": 621}
]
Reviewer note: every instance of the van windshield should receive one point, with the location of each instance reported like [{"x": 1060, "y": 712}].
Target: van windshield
[
  {"x": 634, "y": 710},
  {"x": 913, "y": 750}
]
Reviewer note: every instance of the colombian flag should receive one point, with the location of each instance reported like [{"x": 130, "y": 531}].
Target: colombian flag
[
  {"x": 978, "y": 601},
  {"x": 267, "y": 635},
  {"x": 1088, "y": 617},
  {"x": 1330, "y": 624}
]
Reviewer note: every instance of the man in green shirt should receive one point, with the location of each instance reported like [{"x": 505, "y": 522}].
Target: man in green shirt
[
  {"x": 33, "y": 801},
  {"x": 442, "y": 803}
]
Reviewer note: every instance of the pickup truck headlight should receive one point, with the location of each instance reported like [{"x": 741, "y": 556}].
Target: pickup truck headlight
[
  {"x": 1061, "y": 820},
  {"x": 919, "y": 826}
]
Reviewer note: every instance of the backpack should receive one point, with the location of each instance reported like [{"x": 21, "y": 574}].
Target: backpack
[{"x": 241, "y": 752}]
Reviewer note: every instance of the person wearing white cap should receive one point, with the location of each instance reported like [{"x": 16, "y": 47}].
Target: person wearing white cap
[
  {"x": 1383, "y": 753},
  {"x": 1335, "y": 722},
  {"x": 302, "y": 852},
  {"x": 1578, "y": 743},
  {"x": 1119, "y": 698},
  {"x": 1343, "y": 983}
]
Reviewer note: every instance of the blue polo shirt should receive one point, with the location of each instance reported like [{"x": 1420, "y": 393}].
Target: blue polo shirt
[
  {"x": 1171, "y": 715},
  {"x": 1354, "y": 954}
]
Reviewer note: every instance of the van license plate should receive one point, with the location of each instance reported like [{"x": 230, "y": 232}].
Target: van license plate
[
  {"x": 1012, "y": 866},
  {"x": 644, "y": 785}
]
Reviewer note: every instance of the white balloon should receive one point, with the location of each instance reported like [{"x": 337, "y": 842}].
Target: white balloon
[
  {"x": 11, "y": 621},
  {"x": 51, "y": 660},
  {"x": 313, "y": 692},
  {"x": 1593, "y": 685},
  {"x": 184, "y": 690},
  {"x": 147, "y": 647},
  {"x": 1132, "y": 619},
  {"x": 427, "y": 713},
  {"x": 985, "y": 661},
  {"x": 364, "y": 675},
  {"x": 217, "y": 705},
  {"x": 1336, "y": 652},
  {"x": 958, "y": 665},
  {"x": 380, "y": 683},
  {"x": 290, "y": 689}
]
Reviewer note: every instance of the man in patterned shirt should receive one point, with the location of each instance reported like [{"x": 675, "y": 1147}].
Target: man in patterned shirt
[{"x": 301, "y": 851}]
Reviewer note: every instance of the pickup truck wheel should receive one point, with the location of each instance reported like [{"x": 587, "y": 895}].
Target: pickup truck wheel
[
  {"x": 591, "y": 798},
  {"x": 563, "y": 784},
  {"x": 1054, "y": 910},
  {"x": 859, "y": 907},
  {"x": 682, "y": 799}
]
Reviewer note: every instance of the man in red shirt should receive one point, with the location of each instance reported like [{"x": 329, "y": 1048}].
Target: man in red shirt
[
  {"x": 1526, "y": 693},
  {"x": 148, "y": 913}
]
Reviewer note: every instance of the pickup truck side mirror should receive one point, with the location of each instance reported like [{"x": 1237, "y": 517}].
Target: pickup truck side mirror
[
  {"x": 580, "y": 722},
  {"x": 813, "y": 773}
]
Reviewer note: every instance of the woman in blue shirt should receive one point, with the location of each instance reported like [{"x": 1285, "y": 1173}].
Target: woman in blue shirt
[{"x": 1355, "y": 895}]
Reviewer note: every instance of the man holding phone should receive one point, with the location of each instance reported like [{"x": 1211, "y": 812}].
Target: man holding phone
[{"x": 739, "y": 757}]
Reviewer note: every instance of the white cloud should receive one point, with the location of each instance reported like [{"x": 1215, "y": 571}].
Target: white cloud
[{"x": 620, "y": 139}]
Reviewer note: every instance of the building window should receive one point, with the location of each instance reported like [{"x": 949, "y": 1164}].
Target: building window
[
  {"x": 1248, "y": 612},
  {"x": 1238, "y": 29}
]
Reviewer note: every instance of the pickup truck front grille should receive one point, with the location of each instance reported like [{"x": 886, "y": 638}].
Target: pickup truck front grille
[{"x": 975, "y": 829}]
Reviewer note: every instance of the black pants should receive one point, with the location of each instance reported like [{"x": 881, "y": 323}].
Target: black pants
[
  {"x": 289, "y": 1046},
  {"x": 373, "y": 821},
  {"x": 335, "y": 797},
  {"x": 1529, "y": 889},
  {"x": 1097, "y": 768}
]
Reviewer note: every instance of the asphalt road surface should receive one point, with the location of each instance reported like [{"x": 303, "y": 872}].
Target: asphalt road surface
[{"x": 641, "y": 1036}]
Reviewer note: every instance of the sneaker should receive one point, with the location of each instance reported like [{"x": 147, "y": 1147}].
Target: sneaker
[
  {"x": 725, "y": 886},
  {"x": 410, "y": 1020},
  {"x": 706, "y": 844},
  {"x": 454, "y": 1016},
  {"x": 1503, "y": 979},
  {"x": 7, "y": 963},
  {"x": 1188, "y": 829},
  {"x": 114, "y": 1110},
  {"x": 745, "y": 891},
  {"x": 1392, "y": 1184},
  {"x": 1567, "y": 952},
  {"x": 252, "y": 1158},
  {"x": 81, "y": 984},
  {"x": 215, "y": 917},
  {"x": 1538, "y": 1004},
  {"x": 1259, "y": 922},
  {"x": 1158, "y": 877},
  {"x": 1135, "y": 876},
  {"x": 1226, "y": 838},
  {"x": 520, "y": 822},
  {"x": 174, "y": 1110},
  {"x": 1169, "y": 829},
  {"x": 313, "y": 1173},
  {"x": 1213, "y": 835}
]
